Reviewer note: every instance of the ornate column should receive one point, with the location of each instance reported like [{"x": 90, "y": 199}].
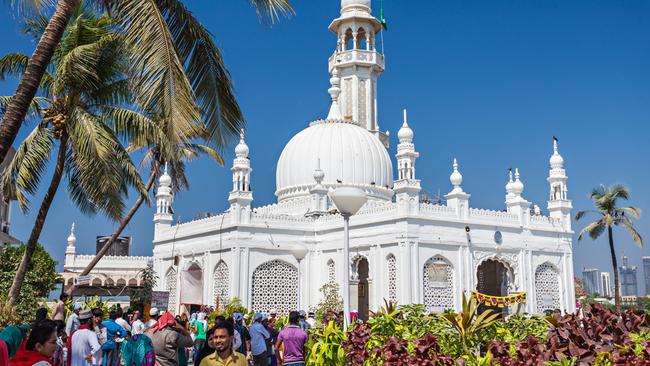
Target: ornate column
[
  {"x": 245, "y": 274},
  {"x": 208, "y": 279},
  {"x": 378, "y": 278},
  {"x": 415, "y": 273},
  {"x": 404, "y": 272},
  {"x": 235, "y": 270}
]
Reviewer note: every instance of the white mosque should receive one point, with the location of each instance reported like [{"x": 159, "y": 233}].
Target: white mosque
[{"x": 403, "y": 247}]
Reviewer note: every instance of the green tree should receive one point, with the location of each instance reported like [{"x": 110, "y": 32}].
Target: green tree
[
  {"x": 610, "y": 215},
  {"x": 142, "y": 296},
  {"x": 84, "y": 91},
  {"x": 175, "y": 55},
  {"x": 40, "y": 280}
]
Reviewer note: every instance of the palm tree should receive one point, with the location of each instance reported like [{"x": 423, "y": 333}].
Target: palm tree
[
  {"x": 83, "y": 93},
  {"x": 174, "y": 54},
  {"x": 610, "y": 215}
]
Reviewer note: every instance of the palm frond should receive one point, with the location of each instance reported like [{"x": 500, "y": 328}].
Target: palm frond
[
  {"x": 638, "y": 240},
  {"x": 29, "y": 8},
  {"x": 594, "y": 230},
  {"x": 23, "y": 174},
  {"x": 13, "y": 64},
  {"x": 630, "y": 211},
  {"x": 35, "y": 107},
  {"x": 207, "y": 150},
  {"x": 272, "y": 10}
]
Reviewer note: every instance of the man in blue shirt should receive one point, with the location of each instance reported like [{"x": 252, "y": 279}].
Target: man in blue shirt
[
  {"x": 110, "y": 348},
  {"x": 259, "y": 335}
]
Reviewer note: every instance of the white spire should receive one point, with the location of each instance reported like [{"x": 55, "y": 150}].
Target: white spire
[
  {"x": 318, "y": 173},
  {"x": 405, "y": 134},
  {"x": 335, "y": 91},
  {"x": 456, "y": 178},
  {"x": 509, "y": 185},
  {"x": 72, "y": 239},
  {"x": 241, "y": 150},
  {"x": 556, "y": 160},
  {"x": 165, "y": 179},
  {"x": 518, "y": 185}
]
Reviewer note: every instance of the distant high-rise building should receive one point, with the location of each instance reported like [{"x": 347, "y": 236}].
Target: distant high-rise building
[
  {"x": 646, "y": 274},
  {"x": 121, "y": 246},
  {"x": 591, "y": 280},
  {"x": 628, "y": 279},
  {"x": 605, "y": 284}
]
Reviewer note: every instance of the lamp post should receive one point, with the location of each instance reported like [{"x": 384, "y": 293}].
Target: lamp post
[
  {"x": 299, "y": 252},
  {"x": 348, "y": 201}
]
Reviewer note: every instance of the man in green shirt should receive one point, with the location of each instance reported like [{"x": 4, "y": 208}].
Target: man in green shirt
[{"x": 224, "y": 354}]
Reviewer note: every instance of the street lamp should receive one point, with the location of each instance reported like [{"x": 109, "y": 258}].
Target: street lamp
[
  {"x": 348, "y": 201},
  {"x": 299, "y": 252}
]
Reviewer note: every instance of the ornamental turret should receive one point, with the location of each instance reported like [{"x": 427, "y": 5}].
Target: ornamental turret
[
  {"x": 457, "y": 198},
  {"x": 559, "y": 206},
  {"x": 241, "y": 196},
  {"x": 406, "y": 186},
  {"x": 515, "y": 203},
  {"x": 359, "y": 64},
  {"x": 164, "y": 199},
  {"x": 71, "y": 249}
]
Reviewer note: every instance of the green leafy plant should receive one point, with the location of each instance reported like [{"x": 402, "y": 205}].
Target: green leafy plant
[
  {"x": 331, "y": 301},
  {"x": 469, "y": 323},
  {"x": 325, "y": 346}
]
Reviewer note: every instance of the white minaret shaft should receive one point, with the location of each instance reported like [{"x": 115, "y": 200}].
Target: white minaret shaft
[
  {"x": 559, "y": 205},
  {"x": 359, "y": 64}
]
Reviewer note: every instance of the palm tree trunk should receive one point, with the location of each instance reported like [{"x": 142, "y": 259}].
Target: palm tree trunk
[
  {"x": 617, "y": 286},
  {"x": 30, "y": 247},
  {"x": 125, "y": 221},
  {"x": 31, "y": 79}
]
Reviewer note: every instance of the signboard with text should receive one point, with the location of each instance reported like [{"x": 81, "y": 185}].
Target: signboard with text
[{"x": 160, "y": 300}]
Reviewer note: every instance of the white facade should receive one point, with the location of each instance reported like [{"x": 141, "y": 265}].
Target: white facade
[{"x": 402, "y": 249}]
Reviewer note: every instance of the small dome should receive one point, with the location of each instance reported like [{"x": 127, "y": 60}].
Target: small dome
[
  {"x": 72, "y": 239},
  {"x": 557, "y": 161},
  {"x": 348, "y": 154},
  {"x": 165, "y": 179},
  {"x": 456, "y": 178},
  {"x": 517, "y": 185},
  {"x": 405, "y": 134},
  {"x": 241, "y": 150},
  {"x": 509, "y": 185},
  {"x": 346, "y": 3}
]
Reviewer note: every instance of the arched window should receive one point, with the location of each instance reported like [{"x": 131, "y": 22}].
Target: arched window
[
  {"x": 331, "y": 271},
  {"x": 275, "y": 286},
  {"x": 221, "y": 284},
  {"x": 170, "y": 285},
  {"x": 392, "y": 278},
  {"x": 438, "y": 281},
  {"x": 349, "y": 40},
  {"x": 361, "y": 39},
  {"x": 547, "y": 288}
]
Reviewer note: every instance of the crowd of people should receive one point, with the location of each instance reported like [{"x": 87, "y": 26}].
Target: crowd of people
[{"x": 87, "y": 338}]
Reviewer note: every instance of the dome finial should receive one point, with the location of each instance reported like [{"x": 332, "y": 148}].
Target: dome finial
[
  {"x": 335, "y": 91},
  {"x": 405, "y": 124},
  {"x": 405, "y": 133},
  {"x": 318, "y": 173},
  {"x": 518, "y": 185},
  {"x": 165, "y": 180},
  {"x": 241, "y": 135},
  {"x": 456, "y": 178},
  {"x": 241, "y": 150},
  {"x": 556, "y": 160},
  {"x": 72, "y": 239}
]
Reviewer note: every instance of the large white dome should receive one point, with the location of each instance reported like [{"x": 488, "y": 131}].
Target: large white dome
[{"x": 347, "y": 153}]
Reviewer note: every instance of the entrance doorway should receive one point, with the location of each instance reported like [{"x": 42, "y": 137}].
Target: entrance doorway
[
  {"x": 359, "y": 288},
  {"x": 493, "y": 279}
]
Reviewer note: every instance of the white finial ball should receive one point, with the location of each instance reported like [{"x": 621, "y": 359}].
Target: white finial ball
[
  {"x": 319, "y": 175},
  {"x": 557, "y": 161},
  {"x": 165, "y": 180},
  {"x": 405, "y": 134},
  {"x": 241, "y": 150},
  {"x": 456, "y": 178},
  {"x": 518, "y": 185},
  {"x": 510, "y": 182}
]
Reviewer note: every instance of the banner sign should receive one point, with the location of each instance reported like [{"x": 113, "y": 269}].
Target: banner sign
[
  {"x": 160, "y": 300},
  {"x": 500, "y": 301}
]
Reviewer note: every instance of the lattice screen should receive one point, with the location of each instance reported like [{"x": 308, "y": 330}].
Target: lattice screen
[
  {"x": 547, "y": 288},
  {"x": 331, "y": 271},
  {"x": 275, "y": 287},
  {"x": 221, "y": 283},
  {"x": 170, "y": 284},
  {"x": 392, "y": 278},
  {"x": 438, "y": 281}
]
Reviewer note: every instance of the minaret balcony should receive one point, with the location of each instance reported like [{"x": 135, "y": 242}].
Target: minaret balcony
[{"x": 356, "y": 57}]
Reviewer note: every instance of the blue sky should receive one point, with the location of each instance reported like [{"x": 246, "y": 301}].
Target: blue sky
[{"x": 487, "y": 82}]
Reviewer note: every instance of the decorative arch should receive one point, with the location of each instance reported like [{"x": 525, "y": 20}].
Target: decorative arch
[
  {"x": 438, "y": 283},
  {"x": 331, "y": 271},
  {"x": 275, "y": 287},
  {"x": 70, "y": 281},
  {"x": 171, "y": 286},
  {"x": 391, "y": 264},
  {"x": 221, "y": 283},
  {"x": 547, "y": 287},
  {"x": 355, "y": 268},
  {"x": 109, "y": 282},
  {"x": 133, "y": 282},
  {"x": 121, "y": 282},
  {"x": 97, "y": 282},
  {"x": 508, "y": 260}
]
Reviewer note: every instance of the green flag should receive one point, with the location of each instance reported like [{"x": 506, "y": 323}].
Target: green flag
[{"x": 382, "y": 20}]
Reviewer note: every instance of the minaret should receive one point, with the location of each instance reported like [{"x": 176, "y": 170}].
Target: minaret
[
  {"x": 406, "y": 187},
  {"x": 71, "y": 249},
  {"x": 559, "y": 206},
  {"x": 358, "y": 63},
  {"x": 164, "y": 199},
  {"x": 241, "y": 196},
  {"x": 515, "y": 203},
  {"x": 457, "y": 198}
]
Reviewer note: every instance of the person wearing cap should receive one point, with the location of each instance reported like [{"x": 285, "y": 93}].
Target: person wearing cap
[
  {"x": 303, "y": 321},
  {"x": 84, "y": 345},
  {"x": 72, "y": 323},
  {"x": 245, "y": 347},
  {"x": 259, "y": 335},
  {"x": 167, "y": 338},
  {"x": 154, "y": 315}
]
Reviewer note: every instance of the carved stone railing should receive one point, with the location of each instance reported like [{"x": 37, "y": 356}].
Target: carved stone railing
[
  {"x": 491, "y": 215},
  {"x": 545, "y": 222},
  {"x": 429, "y": 209}
]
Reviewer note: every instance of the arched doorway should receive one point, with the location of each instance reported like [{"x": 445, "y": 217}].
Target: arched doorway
[
  {"x": 493, "y": 279},
  {"x": 192, "y": 285},
  {"x": 360, "y": 289}
]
